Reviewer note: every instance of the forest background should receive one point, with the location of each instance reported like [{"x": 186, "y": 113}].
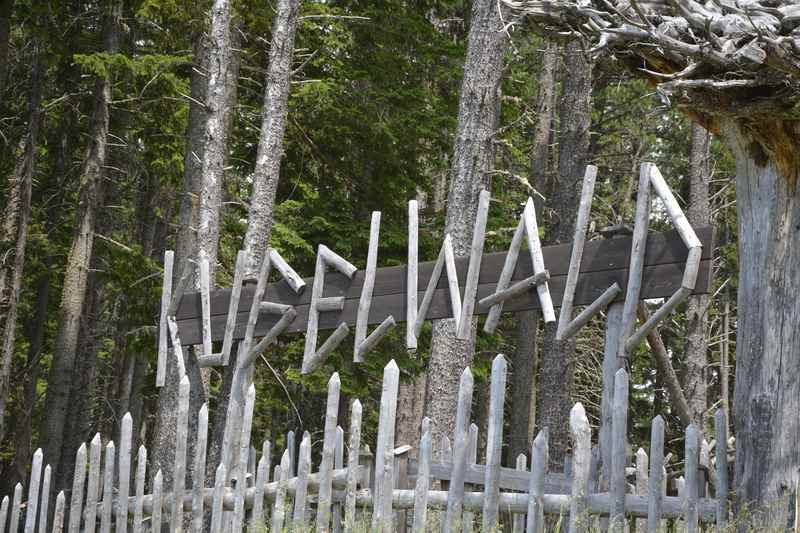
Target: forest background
[{"x": 373, "y": 108}]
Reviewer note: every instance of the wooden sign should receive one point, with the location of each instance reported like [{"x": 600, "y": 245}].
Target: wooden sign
[
  {"x": 592, "y": 275},
  {"x": 604, "y": 263}
]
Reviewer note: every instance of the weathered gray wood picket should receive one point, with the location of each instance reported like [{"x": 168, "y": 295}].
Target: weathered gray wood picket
[{"x": 363, "y": 495}]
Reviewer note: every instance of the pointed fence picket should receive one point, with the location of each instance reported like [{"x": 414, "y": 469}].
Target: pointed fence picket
[{"x": 340, "y": 496}]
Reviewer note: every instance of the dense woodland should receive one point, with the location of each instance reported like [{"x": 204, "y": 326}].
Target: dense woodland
[{"x": 129, "y": 127}]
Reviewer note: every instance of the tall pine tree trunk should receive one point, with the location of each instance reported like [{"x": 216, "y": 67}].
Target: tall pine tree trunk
[
  {"x": 473, "y": 158},
  {"x": 23, "y": 429},
  {"x": 261, "y": 213},
  {"x": 14, "y": 237},
  {"x": 526, "y": 355},
  {"x": 696, "y": 346},
  {"x": 557, "y": 365},
  {"x": 767, "y": 389},
  {"x": 207, "y": 145},
  {"x": 75, "y": 277}
]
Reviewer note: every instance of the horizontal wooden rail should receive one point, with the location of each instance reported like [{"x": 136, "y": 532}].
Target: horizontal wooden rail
[{"x": 604, "y": 263}]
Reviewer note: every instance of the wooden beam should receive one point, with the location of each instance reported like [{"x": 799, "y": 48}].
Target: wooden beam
[{"x": 604, "y": 263}]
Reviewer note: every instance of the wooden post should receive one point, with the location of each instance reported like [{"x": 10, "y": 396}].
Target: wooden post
[
  {"x": 138, "y": 505},
  {"x": 721, "y": 426},
  {"x": 656, "y": 481},
  {"x": 691, "y": 471},
  {"x": 638, "y": 248},
  {"x": 199, "y": 474},
  {"x": 537, "y": 258},
  {"x": 494, "y": 442},
  {"x": 472, "y": 458},
  {"x": 352, "y": 466},
  {"x": 365, "y": 302},
  {"x": 244, "y": 456},
  {"x": 166, "y": 297},
  {"x": 4, "y": 514},
  {"x": 582, "y": 458},
  {"x": 126, "y": 436},
  {"x": 93, "y": 487},
  {"x": 76, "y": 497},
  {"x": 455, "y": 496},
  {"x": 233, "y": 308},
  {"x": 540, "y": 457},
  {"x": 155, "y": 516},
  {"x": 412, "y": 273},
  {"x": 518, "y": 520},
  {"x": 291, "y": 277},
  {"x": 279, "y": 510},
  {"x": 506, "y": 273},
  {"x": 611, "y": 363},
  {"x": 642, "y": 482},
  {"x": 33, "y": 492},
  {"x": 44, "y": 505},
  {"x": 58, "y": 516},
  {"x": 262, "y": 477},
  {"x": 619, "y": 457},
  {"x": 15, "y": 508},
  {"x": 423, "y": 479},
  {"x": 384, "y": 482},
  {"x": 445, "y": 261},
  {"x": 473, "y": 273},
  {"x": 301, "y": 488},
  {"x": 328, "y": 449},
  {"x": 338, "y": 464},
  {"x": 108, "y": 488},
  {"x": 179, "y": 471},
  {"x": 217, "y": 499},
  {"x": 573, "y": 272}
]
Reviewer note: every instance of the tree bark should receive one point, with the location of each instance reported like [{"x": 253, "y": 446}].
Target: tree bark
[
  {"x": 473, "y": 156},
  {"x": 207, "y": 145},
  {"x": 557, "y": 365},
  {"x": 5, "y": 37},
  {"x": 14, "y": 237},
  {"x": 262, "y": 201},
  {"x": 273, "y": 125},
  {"x": 696, "y": 347},
  {"x": 523, "y": 384},
  {"x": 767, "y": 388},
  {"x": 23, "y": 429},
  {"x": 75, "y": 277},
  {"x": 526, "y": 355}
]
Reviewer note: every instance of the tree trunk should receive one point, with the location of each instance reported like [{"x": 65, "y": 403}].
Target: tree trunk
[
  {"x": 80, "y": 417},
  {"x": 473, "y": 157},
  {"x": 209, "y": 127},
  {"x": 273, "y": 124},
  {"x": 23, "y": 429},
  {"x": 14, "y": 237},
  {"x": 75, "y": 277},
  {"x": 767, "y": 388},
  {"x": 557, "y": 365},
  {"x": 523, "y": 384},
  {"x": 262, "y": 201},
  {"x": 526, "y": 356},
  {"x": 696, "y": 346},
  {"x": 5, "y": 37}
]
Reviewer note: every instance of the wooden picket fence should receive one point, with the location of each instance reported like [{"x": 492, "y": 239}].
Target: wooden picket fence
[{"x": 387, "y": 491}]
